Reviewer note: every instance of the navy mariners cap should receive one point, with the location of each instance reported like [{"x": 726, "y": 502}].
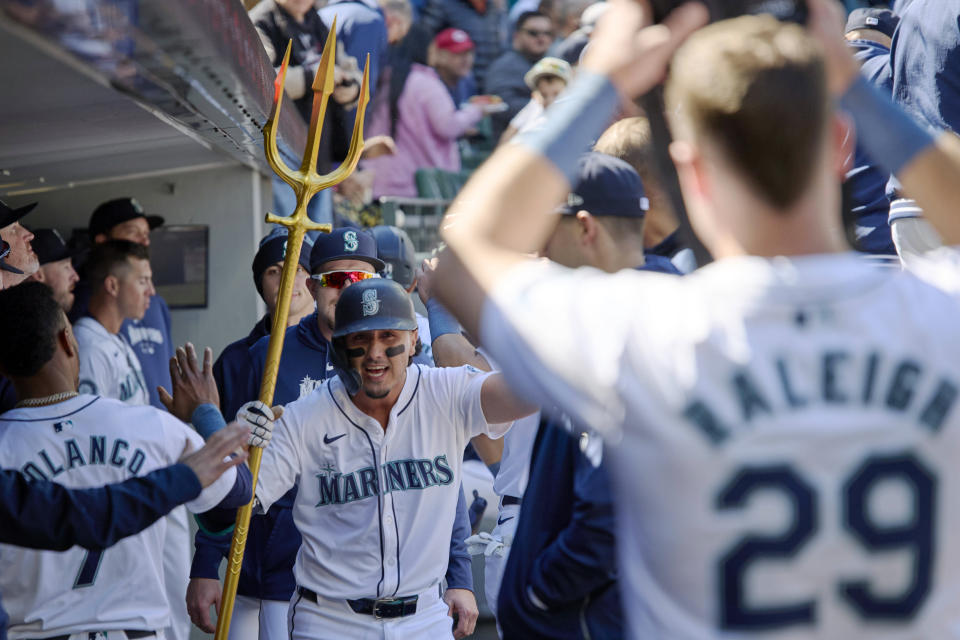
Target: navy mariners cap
[
  {"x": 273, "y": 249},
  {"x": 882, "y": 20},
  {"x": 49, "y": 246},
  {"x": 345, "y": 243},
  {"x": 606, "y": 186},
  {"x": 114, "y": 212},
  {"x": 9, "y": 215},
  {"x": 4, "y": 252}
]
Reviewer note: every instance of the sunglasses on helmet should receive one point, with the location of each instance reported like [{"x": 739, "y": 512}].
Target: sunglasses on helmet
[{"x": 340, "y": 279}]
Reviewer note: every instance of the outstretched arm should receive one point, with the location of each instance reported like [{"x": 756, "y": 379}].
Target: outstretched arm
[{"x": 46, "y": 515}]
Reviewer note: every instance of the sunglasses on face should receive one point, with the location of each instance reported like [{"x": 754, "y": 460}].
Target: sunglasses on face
[
  {"x": 340, "y": 279},
  {"x": 4, "y": 249},
  {"x": 536, "y": 33}
]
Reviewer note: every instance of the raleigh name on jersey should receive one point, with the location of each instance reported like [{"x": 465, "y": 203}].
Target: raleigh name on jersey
[
  {"x": 108, "y": 365},
  {"x": 783, "y": 433},
  {"x": 89, "y": 441},
  {"x": 375, "y": 508}
]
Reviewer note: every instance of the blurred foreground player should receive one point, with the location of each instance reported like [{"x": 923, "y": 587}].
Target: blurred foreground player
[
  {"x": 84, "y": 441},
  {"x": 781, "y": 424}
]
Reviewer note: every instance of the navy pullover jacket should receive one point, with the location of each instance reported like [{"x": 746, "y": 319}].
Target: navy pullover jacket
[{"x": 560, "y": 580}]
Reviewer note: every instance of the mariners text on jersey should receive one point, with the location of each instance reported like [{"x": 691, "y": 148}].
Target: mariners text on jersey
[{"x": 397, "y": 475}]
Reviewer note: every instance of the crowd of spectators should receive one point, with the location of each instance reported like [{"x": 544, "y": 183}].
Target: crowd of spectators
[{"x": 446, "y": 76}]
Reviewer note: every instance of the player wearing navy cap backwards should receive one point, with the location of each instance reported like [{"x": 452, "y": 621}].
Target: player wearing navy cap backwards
[
  {"x": 378, "y": 454},
  {"x": 603, "y": 217},
  {"x": 785, "y": 419}
]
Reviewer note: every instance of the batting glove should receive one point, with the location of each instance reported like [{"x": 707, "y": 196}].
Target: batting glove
[
  {"x": 260, "y": 420},
  {"x": 486, "y": 544}
]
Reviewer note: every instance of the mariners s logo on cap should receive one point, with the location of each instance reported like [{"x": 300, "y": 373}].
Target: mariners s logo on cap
[
  {"x": 136, "y": 206},
  {"x": 350, "y": 242},
  {"x": 371, "y": 304}
]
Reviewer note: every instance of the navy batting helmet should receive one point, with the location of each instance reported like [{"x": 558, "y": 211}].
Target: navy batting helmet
[
  {"x": 369, "y": 305},
  {"x": 373, "y": 304},
  {"x": 395, "y": 248}
]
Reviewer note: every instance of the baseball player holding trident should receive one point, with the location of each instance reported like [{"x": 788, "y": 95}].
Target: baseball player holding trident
[
  {"x": 783, "y": 423},
  {"x": 377, "y": 454}
]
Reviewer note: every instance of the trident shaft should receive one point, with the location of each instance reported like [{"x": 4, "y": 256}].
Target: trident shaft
[{"x": 306, "y": 183}]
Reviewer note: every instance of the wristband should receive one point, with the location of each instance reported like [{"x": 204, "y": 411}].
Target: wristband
[
  {"x": 890, "y": 136},
  {"x": 441, "y": 322},
  {"x": 574, "y": 122},
  {"x": 207, "y": 420},
  {"x": 903, "y": 208}
]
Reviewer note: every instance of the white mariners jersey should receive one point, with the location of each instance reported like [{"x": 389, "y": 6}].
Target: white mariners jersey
[
  {"x": 108, "y": 365},
  {"x": 375, "y": 508},
  {"x": 89, "y": 441},
  {"x": 783, "y": 437}
]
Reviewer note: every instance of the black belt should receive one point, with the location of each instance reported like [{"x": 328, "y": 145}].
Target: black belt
[
  {"x": 378, "y": 608},
  {"x": 132, "y": 634},
  {"x": 509, "y": 500}
]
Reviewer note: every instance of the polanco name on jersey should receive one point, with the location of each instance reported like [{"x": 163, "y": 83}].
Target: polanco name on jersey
[
  {"x": 99, "y": 451},
  {"x": 398, "y": 475}
]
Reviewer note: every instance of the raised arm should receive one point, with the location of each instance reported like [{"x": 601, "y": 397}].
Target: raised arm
[
  {"x": 499, "y": 402},
  {"x": 498, "y": 218}
]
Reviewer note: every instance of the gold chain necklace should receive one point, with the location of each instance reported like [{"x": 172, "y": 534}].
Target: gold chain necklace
[{"x": 45, "y": 400}]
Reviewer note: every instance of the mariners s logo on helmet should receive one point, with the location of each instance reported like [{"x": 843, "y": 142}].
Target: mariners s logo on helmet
[
  {"x": 350, "y": 242},
  {"x": 371, "y": 304}
]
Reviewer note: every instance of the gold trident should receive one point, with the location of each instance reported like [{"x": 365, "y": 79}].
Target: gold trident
[{"x": 306, "y": 183}]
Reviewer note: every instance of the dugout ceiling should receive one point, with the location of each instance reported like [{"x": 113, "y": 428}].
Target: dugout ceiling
[{"x": 96, "y": 90}]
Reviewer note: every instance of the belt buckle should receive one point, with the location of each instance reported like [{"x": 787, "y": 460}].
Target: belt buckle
[{"x": 376, "y": 606}]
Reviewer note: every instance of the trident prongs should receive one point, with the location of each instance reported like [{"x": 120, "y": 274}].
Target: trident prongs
[{"x": 306, "y": 182}]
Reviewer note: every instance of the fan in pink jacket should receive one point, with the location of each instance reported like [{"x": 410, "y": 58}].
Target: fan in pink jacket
[{"x": 428, "y": 123}]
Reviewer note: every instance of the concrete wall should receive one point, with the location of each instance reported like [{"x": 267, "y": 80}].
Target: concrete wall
[{"x": 231, "y": 200}]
